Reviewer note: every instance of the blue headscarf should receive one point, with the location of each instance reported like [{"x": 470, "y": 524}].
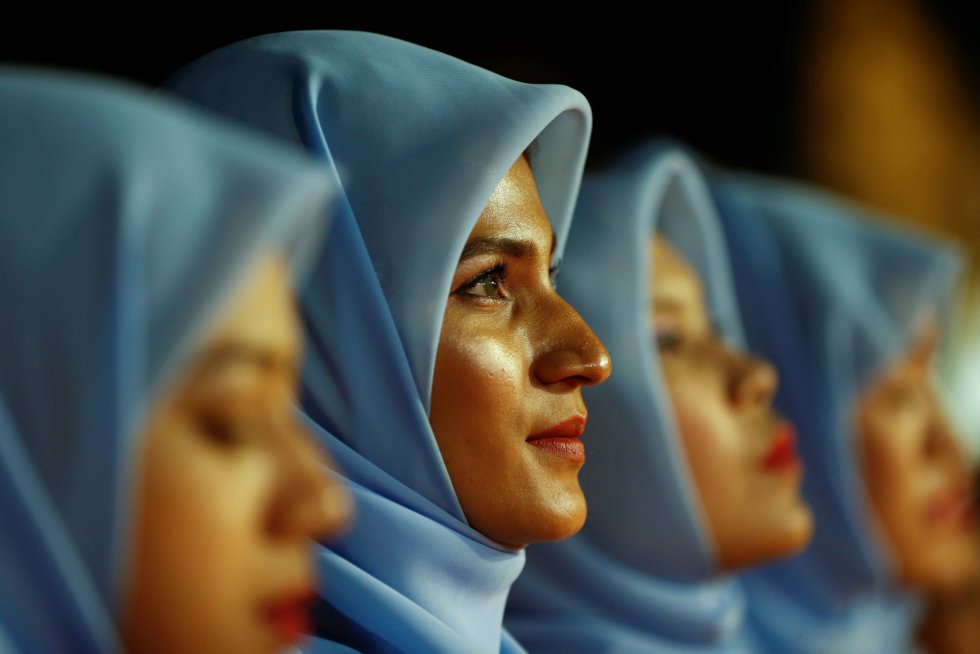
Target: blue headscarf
[
  {"x": 124, "y": 224},
  {"x": 642, "y": 575},
  {"x": 831, "y": 296},
  {"x": 421, "y": 139}
]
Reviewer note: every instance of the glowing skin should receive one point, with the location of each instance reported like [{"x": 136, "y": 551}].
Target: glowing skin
[
  {"x": 918, "y": 481},
  {"x": 749, "y": 487},
  {"x": 231, "y": 490},
  {"x": 511, "y": 361}
]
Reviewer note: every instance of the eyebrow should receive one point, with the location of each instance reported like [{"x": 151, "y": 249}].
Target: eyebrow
[
  {"x": 497, "y": 245},
  {"x": 667, "y": 304}
]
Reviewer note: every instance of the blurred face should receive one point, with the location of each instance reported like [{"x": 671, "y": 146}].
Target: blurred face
[
  {"x": 918, "y": 481},
  {"x": 231, "y": 490},
  {"x": 740, "y": 453},
  {"x": 507, "y": 408}
]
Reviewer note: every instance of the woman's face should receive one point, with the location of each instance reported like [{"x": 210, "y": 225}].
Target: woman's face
[
  {"x": 231, "y": 490},
  {"x": 741, "y": 454},
  {"x": 919, "y": 484},
  {"x": 507, "y": 408}
]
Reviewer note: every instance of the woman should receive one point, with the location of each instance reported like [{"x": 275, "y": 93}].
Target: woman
[
  {"x": 696, "y": 475},
  {"x": 445, "y": 371},
  {"x": 155, "y": 492},
  {"x": 843, "y": 305}
]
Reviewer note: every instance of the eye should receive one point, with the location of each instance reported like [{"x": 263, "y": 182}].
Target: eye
[
  {"x": 489, "y": 284},
  {"x": 230, "y": 432},
  {"x": 669, "y": 339},
  {"x": 909, "y": 399}
]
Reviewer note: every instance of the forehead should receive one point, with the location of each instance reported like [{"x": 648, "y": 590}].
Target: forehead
[
  {"x": 514, "y": 209},
  {"x": 260, "y": 313},
  {"x": 671, "y": 274}
]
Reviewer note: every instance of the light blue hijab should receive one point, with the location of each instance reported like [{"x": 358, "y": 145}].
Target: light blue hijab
[
  {"x": 831, "y": 296},
  {"x": 124, "y": 224},
  {"x": 642, "y": 575},
  {"x": 421, "y": 139}
]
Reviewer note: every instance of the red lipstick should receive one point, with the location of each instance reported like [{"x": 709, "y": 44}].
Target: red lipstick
[
  {"x": 290, "y": 616},
  {"x": 956, "y": 507},
  {"x": 563, "y": 440},
  {"x": 782, "y": 452}
]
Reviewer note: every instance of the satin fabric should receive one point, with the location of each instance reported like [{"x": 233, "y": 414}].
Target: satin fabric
[
  {"x": 831, "y": 295},
  {"x": 642, "y": 575},
  {"x": 421, "y": 140},
  {"x": 124, "y": 224}
]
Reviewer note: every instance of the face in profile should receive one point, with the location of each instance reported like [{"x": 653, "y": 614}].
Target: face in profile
[
  {"x": 741, "y": 454},
  {"x": 231, "y": 490},
  {"x": 920, "y": 487},
  {"x": 507, "y": 409}
]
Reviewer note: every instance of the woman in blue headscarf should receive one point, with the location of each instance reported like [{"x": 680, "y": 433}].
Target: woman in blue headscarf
[
  {"x": 847, "y": 308},
  {"x": 445, "y": 371},
  {"x": 155, "y": 492},
  {"x": 695, "y": 475}
]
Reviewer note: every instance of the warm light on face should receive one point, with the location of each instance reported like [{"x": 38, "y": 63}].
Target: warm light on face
[
  {"x": 507, "y": 406},
  {"x": 231, "y": 490},
  {"x": 740, "y": 453},
  {"x": 916, "y": 476}
]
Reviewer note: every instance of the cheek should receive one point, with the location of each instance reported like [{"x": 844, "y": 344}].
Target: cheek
[
  {"x": 899, "y": 487},
  {"x": 206, "y": 507},
  {"x": 894, "y": 478},
  {"x": 483, "y": 375},
  {"x": 714, "y": 447},
  {"x": 198, "y": 545},
  {"x": 484, "y": 406},
  {"x": 480, "y": 382}
]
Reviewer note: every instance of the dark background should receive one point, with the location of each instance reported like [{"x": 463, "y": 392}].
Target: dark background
[{"x": 722, "y": 78}]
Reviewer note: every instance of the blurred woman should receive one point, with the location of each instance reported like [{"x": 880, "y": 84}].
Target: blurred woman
[
  {"x": 155, "y": 491},
  {"x": 445, "y": 371},
  {"x": 694, "y": 475},
  {"x": 849, "y": 311}
]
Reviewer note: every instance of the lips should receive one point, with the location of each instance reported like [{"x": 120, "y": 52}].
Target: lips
[
  {"x": 956, "y": 507},
  {"x": 563, "y": 440},
  {"x": 782, "y": 454},
  {"x": 290, "y": 616}
]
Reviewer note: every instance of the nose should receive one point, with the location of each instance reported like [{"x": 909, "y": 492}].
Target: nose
[
  {"x": 313, "y": 503},
  {"x": 568, "y": 353},
  {"x": 753, "y": 380}
]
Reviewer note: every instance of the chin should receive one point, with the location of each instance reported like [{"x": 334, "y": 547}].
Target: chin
[
  {"x": 777, "y": 539},
  {"x": 552, "y": 522},
  {"x": 799, "y": 530},
  {"x": 792, "y": 531},
  {"x": 944, "y": 572},
  {"x": 564, "y": 525}
]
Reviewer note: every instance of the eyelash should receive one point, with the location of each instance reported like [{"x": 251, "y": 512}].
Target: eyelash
[
  {"x": 229, "y": 433},
  {"x": 669, "y": 340},
  {"x": 672, "y": 340},
  {"x": 498, "y": 270}
]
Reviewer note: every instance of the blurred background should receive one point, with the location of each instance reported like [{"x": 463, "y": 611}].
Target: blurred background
[{"x": 876, "y": 99}]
